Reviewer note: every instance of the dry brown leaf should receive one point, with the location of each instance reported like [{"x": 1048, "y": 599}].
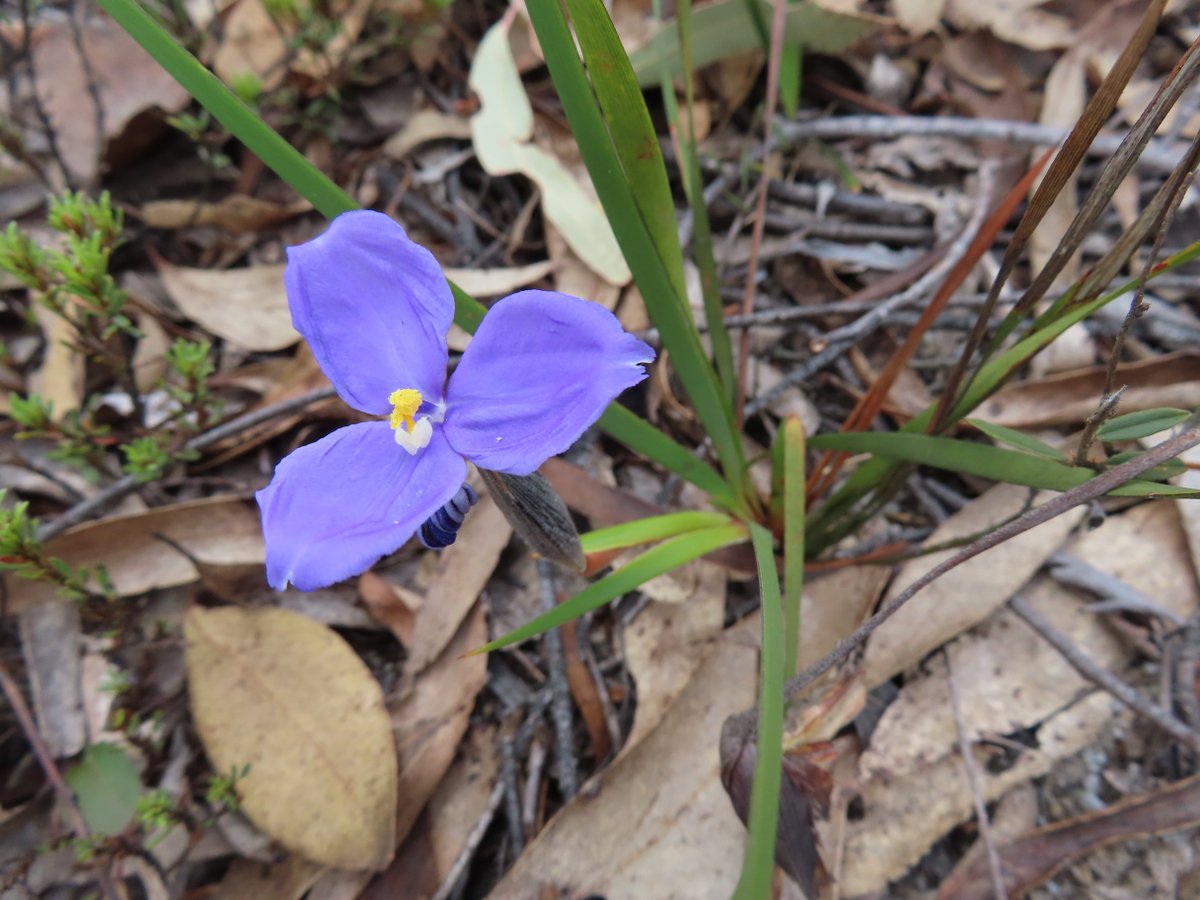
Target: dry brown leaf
[
  {"x": 918, "y": 16},
  {"x": 59, "y": 379},
  {"x": 51, "y": 645},
  {"x": 275, "y": 691},
  {"x": 150, "y": 355},
  {"x": 224, "y": 529},
  {"x": 238, "y": 213},
  {"x": 462, "y": 570},
  {"x": 658, "y": 818},
  {"x": 430, "y": 720},
  {"x": 424, "y": 126},
  {"x": 247, "y": 307},
  {"x": 498, "y": 282},
  {"x": 134, "y": 91},
  {"x": 390, "y": 604},
  {"x": 1019, "y": 22},
  {"x": 249, "y": 879},
  {"x": 903, "y": 816},
  {"x": 1070, "y": 397},
  {"x": 462, "y": 797},
  {"x": 833, "y": 605},
  {"x": 965, "y": 595},
  {"x": 665, "y": 645}
]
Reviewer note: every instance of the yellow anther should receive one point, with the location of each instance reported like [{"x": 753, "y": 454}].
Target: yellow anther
[{"x": 405, "y": 403}]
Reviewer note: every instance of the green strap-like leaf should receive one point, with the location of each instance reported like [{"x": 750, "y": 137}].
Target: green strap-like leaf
[
  {"x": 758, "y": 867},
  {"x": 1018, "y": 439},
  {"x": 666, "y": 556},
  {"x": 649, "y": 530},
  {"x": 1140, "y": 424},
  {"x": 793, "y": 483},
  {"x": 985, "y": 461}
]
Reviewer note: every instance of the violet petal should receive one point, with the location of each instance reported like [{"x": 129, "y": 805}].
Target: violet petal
[
  {"x": 336, "y": 506},
  {"x": 374, "y": 307},
  {"x": 541, "y": 368}
]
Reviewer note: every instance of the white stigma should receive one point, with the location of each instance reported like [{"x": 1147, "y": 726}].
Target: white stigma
[{"x": 418, "y": 438}]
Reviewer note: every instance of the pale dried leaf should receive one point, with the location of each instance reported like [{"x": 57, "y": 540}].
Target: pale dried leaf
[
  {"x": 971, "y": 592},
  {"x": 390, "y": 604},
  {"x": 659, "y": 817},
  {"x": 498, "y": 282},
  {"x": 218, "y": 528},
  {"x": 51, "y": 636},
  {"x": 238, "y": 213},
  {"x": 247, "y": 307},
  {"x": 462, "y": 571},
  {"x": 665, "y": 645},
  {"x": 918, "y": 16},
  {"x": 431, "y": 719},
  {"x": 59, "y": 379},
  {"x": 501, "y": 132},
  {"x": 252, "y": 880},
  {"x": 271, "y": 689},
  {"x": 424, "y": 126},
  {"x": 1019, "y": 22},
  {"x": 462, "y": 798},
  {"x": 833, "y": 605},
  {"x": 904, "y": 816}
]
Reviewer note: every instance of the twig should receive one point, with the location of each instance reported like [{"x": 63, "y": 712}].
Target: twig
[
  {"x": 560, "y": 691},
  {"x": 512, "y": 793},
  {"x": 41, "y": 752},
  {"x": 1158, "y": 157},
  {"x": 972, "y": 769},
  {"x": 89, "y": 72},
  {"x": 841, "y": 339},
  {"x": 39, "y": 108},
  {"x": 127, "y": 484},
  {"x": 1105, "y": 410},
  {"x": 1056, "y": 506},
  {"x": 1115, "y": 594},
  {"x": 470, "y": 845},
  {"x": 1138, "y": 702}
]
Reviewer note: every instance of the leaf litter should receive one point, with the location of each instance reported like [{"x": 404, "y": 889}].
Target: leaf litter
[{"x": 381, "y": 761}]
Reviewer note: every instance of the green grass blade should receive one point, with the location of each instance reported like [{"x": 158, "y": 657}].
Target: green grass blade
[
  {"x": 702, "y": 242},
  {"x": 983, "y": 460},
  {"x": 1140, "y": 424},
  {"x": 624, "y": 110},
  {"x": 225, "y": 106},
  {"x": 792, "y": 435},
  {"x": 650, "y": 530},
  {"x": 789, "y": 79},
  {"x": 1019, "y": 439},
  {"x": 670, "y": 554},
  {"x": 758, "y": 867},
  {"x": 667, "y": 308},
  {"x": 639, "y": 435}
]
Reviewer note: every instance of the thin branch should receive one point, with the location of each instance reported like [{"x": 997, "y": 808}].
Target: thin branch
[
  {"x": 560, "y": 691},
  {"x": 1135, "y": 700}
]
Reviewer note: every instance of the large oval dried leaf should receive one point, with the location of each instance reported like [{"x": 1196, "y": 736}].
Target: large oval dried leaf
[{"x": 285, "y": 695}]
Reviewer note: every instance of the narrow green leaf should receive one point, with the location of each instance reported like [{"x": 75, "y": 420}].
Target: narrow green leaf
[
  {"x": 793, "y": 483},
  {"x": 670, "y": 554},
  {"x": 1143, "y": 423},
  {"x": 633, "y": 136},
  {"x": 1019, "y": 439},
  {"x": 727, "y": 28},
  {"x": 107, "y": 785},
  {"x": 789, "y": 79},
  {"x": 650, "y": 529},
  {"x": 758, "y": 867},
  {"x": 996, "y": 463},
  {"x": 1170, "y": 469},
  {"x": 668, "y": 310}
]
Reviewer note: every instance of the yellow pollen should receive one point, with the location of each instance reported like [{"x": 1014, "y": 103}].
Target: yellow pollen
[{"x": 405, "y": 403}]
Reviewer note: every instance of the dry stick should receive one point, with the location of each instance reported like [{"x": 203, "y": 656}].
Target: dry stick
[
  {"x": 127, "y": 484},
  {"x": 41, "y": 752},
  {"x": 778, "y": 20},
  {"x": 1135, "y": 700},
  {"x": 560, "y": 691},
  {"x": 1056, "y": 506},
  {"x": 470, "y": 845},
  {"x": 1159, "y": 157},
  {"x": 35, "y": 97},
  {"x": 841, "y": 339},
  {"x": 971, "y": 765}
]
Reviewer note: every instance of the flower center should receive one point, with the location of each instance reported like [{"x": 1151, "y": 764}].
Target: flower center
[{"x": 411, "y": 433}]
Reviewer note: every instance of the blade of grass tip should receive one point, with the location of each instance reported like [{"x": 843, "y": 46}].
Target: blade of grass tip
[
  {"x": 758, "y": 866},
  {"x": 778, "y": 21},
  {"x": 702, "y": 242},
  {"x": 671, "y": 554},
  {"x": 628, "y": 120},
  {"x": 789, "y": 78},
  {"x": 792, "y": 435},
  {"x": 228, "y": 109},
  {"x": 649, "y": 530},
  {"x": 667, "y": 308}
]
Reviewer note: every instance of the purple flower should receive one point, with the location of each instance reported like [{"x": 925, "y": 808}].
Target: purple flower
[{"x": 375, "y": 308}]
